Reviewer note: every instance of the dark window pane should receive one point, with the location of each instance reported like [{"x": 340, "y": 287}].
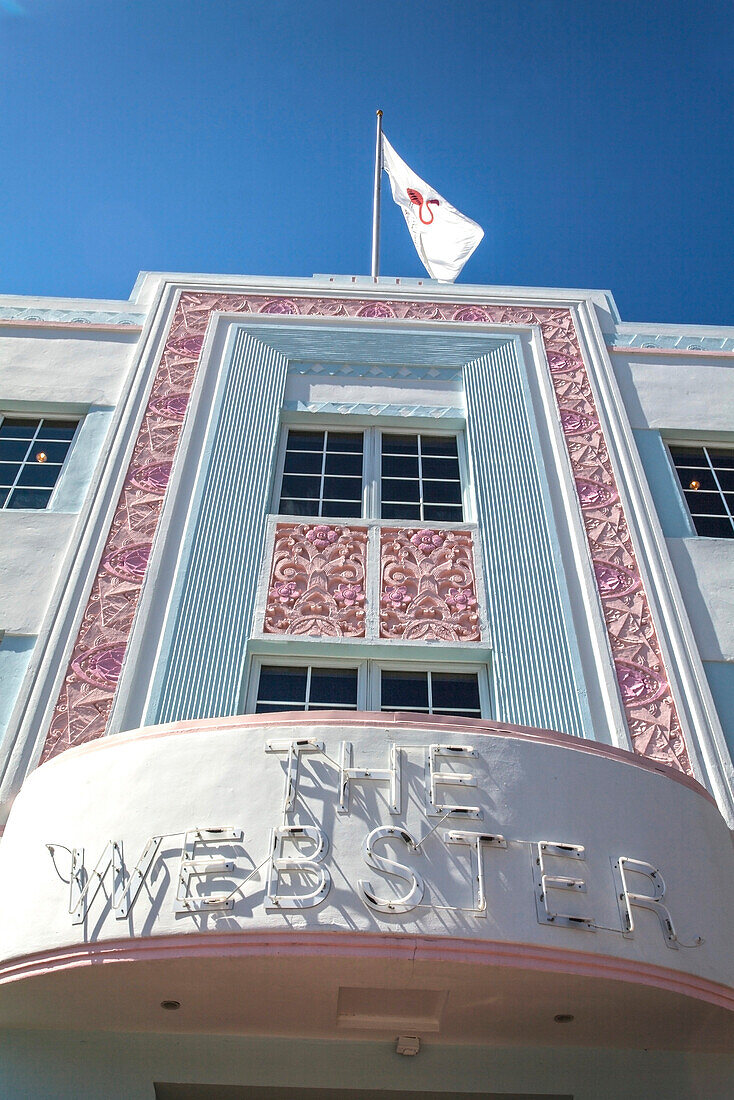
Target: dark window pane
[
  {"x": 297, "y": 507},
  {"x": 396, "y": 489},
  {"x": 442, "y": 445},
  {"x": 349, "y": 465},
  {"x": 333, "y": 685},
  {"x": 13, "y": 450},
  {"x": 444, "y": 469},
  {"x": 344, "y": 509},
  {"x": 282, "y": 682},
  {"x": 29, "y": 498},
  {"x": 40, "y": 474},
  {"x": 404, "y": 689},
  {"x": 58, "y": 429},
  {"x": 301, "y": 485},
  {"x": 688, "y": 456},
  {"x": 18, "y": 429},
  {"x": 721, "y": 458},
  {"x": 706, "y": 504},
  {"x": 273, "y": 708},
  {"x": 303, "y": 462},
  {"x": 3, "y": 495},
  {"x": 455, "y": 691},
  {"x": 729, "y": 498},
  {"x": 343, "y": 488},
  {"x": 345, "y": 441},
  {"x": 305, "y": 441},
  {"x": 726, "y": 480},
  {"x": 442, "y": 492},
  {"x": 443, "y": 513},
  {"x": 54, "y": 452},
  {"x": 714, "y": 527},
  {"x": 401, "y": 511},
  {"x": 399, "y": 466},
  {"x": 704, "y": 478},
  {"x": 8, "y": 473},
  {"x": 399, "y": 444}
]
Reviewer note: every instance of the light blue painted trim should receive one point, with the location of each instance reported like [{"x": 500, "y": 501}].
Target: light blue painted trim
[
  {"x": 720, "y": 675},
  {"x": 377, "y": 350},
  {"x": 217, "y": 577},
  {"x": 669, "y": 342},
  {"x": 434, "y": 412},
  {"x": 367, "y": 370},
  {"x": 77, "y": 472},
  {"x": 15, "y": 655},
  {"x": 666, "y": 493},
  {"x": 536, "y": 663},
  {"x": 70, "y": 316}
]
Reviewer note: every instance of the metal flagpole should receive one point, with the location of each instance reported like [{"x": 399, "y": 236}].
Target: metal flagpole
[{"x": 376, "y": 201}]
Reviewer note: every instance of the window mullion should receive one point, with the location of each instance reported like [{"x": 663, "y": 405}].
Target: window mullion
[
  {"x": 23, "y": 462},
  {"x": 372, "y": 474},
  {"x": 307, "y": 700},
  {"x": 420, "y": 478},
  {"x": 430, "y": 691},
  {"x": 323, "y": 472},
  {"x": 718, "y": 483}
]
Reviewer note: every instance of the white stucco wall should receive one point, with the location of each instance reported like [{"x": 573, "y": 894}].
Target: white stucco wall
[
  {"x": 223, "y": 772},
  {"x": 705, "y": 571},
  {"x": 32, "y": 549},
  {"x": 371, "y": 391},
  {"x": 60, "y": 366},
  {"x": 677, "y": 394}
]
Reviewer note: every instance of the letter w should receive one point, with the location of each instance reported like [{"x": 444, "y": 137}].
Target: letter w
[{"x": 83, "y": 889}]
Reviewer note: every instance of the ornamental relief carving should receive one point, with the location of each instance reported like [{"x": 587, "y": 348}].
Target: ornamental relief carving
[
  {"x": 86, "y": 696},
  {"x": 428, "y": 585},
  {"x": 320, "y": 584},
  {"x": 317, "y": 581}
]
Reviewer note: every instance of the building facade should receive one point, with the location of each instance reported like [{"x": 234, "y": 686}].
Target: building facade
[{"x": 366, "y": 694}]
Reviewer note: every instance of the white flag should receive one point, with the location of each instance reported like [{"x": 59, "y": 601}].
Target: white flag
[{"x": 443, "y": 237}]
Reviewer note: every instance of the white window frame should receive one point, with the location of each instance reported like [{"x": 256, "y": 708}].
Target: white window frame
[
  {"x": 312, "y": 660},
  {"x": 335, "y": 429},
  {"x": 704, "y": 445},
  {"x": 32, "y": 415},
  {"x": 372, "y": 470},
  {"x": 369, "y": 672}
]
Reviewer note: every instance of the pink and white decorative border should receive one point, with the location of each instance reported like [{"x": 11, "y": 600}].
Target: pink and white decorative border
[
  {"x": 87, "y": 693},
  {"x": 371, "y": 945}
]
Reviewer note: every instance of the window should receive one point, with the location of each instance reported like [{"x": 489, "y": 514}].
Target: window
[
  {"x": 420, "y": 477},
  {"x": 322, "y": 474},
  {"x": 32, "y": 452},
  {"x": 305, "y": 687},
  {"x": 372, "y": 474},
  {"x": 371, "y": 686},
  {"x": 706, "y": 475},
  {"x": 431, "y": 692}
]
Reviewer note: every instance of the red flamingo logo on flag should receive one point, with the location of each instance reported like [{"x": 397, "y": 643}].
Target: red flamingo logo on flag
[{"x": 417, "y": 199}]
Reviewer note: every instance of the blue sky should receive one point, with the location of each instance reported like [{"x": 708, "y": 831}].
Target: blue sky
[{"x": 591, "y": 140}]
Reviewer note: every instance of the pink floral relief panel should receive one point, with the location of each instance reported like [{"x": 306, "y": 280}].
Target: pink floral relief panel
[
  {"x": 428, "y": 585},
  {"x": 317, "y": 581},
  {"x": 323, "y": 585}
]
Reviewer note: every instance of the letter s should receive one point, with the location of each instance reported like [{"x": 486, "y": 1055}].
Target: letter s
[{"x": 403, "y": 903}]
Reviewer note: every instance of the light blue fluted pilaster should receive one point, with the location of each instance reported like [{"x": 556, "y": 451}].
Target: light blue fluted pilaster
[
  {"x": 218, "y": 581},
  {"x": 534, "y": 650}
]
